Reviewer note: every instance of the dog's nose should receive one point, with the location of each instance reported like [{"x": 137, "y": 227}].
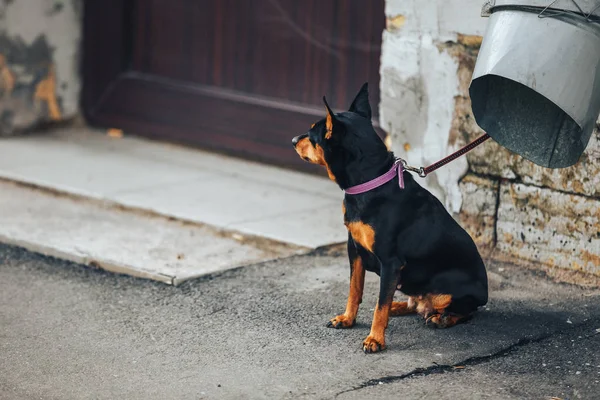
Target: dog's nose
[{"x": 295, "y": 140}]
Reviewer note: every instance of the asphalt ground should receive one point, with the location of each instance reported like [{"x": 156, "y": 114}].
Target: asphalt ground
[{"x": 71, "y": 332}]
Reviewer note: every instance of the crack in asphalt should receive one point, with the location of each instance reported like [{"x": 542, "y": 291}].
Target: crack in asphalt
[{"x": 459, "y": 366}]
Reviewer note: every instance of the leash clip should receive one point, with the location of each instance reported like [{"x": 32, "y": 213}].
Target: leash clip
[{"x": 419, "y": 170}]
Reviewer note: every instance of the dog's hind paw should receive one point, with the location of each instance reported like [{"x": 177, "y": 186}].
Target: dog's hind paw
[
  {"x": 372, "y": 345},
  {"x": 444, "y": 320},
  {"x": 341, "y": 322}
]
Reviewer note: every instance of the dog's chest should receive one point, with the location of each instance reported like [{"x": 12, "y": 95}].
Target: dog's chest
[{"x": 361, "y": 232}]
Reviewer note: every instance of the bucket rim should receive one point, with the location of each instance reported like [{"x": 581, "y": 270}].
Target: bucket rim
[{"x": 590, "y": 9}]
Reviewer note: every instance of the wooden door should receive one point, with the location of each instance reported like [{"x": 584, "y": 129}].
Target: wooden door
[{"x": 236, "y": 76}]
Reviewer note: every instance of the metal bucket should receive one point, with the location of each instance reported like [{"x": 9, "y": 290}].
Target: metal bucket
[{"x": 536, "y": 84}]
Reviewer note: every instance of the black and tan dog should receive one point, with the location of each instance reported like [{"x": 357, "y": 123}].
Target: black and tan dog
[{"x": 405, "y": 235}]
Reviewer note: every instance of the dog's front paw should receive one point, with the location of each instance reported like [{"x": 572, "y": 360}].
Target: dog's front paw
[
  {"x": 372, "y": 345},
  {"x": 341, "y": 322}
]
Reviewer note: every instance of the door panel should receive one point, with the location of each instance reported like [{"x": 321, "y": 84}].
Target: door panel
[{"x": 239, "y": 76}]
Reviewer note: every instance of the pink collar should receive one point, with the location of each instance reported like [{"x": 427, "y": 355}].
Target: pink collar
[{"x": 385, "y": 178}]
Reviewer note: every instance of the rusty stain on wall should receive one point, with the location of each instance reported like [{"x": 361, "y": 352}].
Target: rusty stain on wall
[
  {"x": 590, "y": 258},
  {"x": 469, "y": 40},
  {"x": 45, "y": 91},
  {"x": 395, "y": 22},
  {"x": 7, "y": 78}
]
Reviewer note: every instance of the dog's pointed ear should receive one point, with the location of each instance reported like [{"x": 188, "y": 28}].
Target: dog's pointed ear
[
  {"x": 360, "y": 105},
  {"x": 330, "y": 120}
]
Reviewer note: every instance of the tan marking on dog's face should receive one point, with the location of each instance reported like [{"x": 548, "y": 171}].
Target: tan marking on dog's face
[
  {"x": 313, "y": 154},
  {"x": 310, "y": 153},
  {"x": 329, "y": 173}
]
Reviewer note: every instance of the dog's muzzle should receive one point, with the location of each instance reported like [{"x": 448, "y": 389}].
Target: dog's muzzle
[{"x": 297, "y": 139}]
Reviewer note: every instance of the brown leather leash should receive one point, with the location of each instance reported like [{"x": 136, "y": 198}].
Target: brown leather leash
[
  {"x": 423, "y": 172},
  {"x": 400, "y": 164}
]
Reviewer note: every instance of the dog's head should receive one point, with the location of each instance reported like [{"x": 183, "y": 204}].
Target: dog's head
[{"x": 344, "y": 143}]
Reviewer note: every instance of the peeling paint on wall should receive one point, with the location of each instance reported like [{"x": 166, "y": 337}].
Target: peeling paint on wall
[
  {"x": 39, "y": 63},
  {"x": 394, "y": 23},
  {"x": 419, "y": 83}
]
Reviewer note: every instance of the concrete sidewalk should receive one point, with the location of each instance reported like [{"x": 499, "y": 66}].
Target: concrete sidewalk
[
  {"x": 183, "y": 183},
  {"x": 154, "y": 210},
  {"x": 68, "y": 332},
  {"x": 125, "y": 241}
]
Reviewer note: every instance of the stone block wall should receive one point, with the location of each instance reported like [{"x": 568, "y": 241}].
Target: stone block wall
[
  {"x": 514, "y": 209},
  {"x": 545, "y": 216},
  {"x": 39, "y": 63}
]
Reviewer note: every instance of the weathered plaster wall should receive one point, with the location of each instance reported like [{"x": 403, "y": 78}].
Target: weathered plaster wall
[
  {"x": 39, "y": 62},
  {"x": 513, "y": 208},
  {"x": 419, "y": 83}
]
